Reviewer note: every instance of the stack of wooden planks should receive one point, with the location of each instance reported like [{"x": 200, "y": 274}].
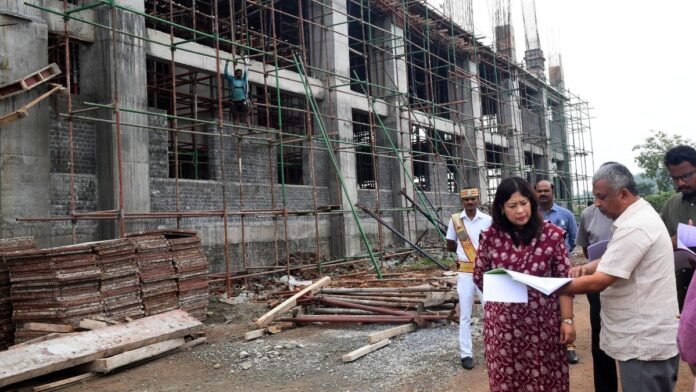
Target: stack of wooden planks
[
  {"x": 97, "y": 351},
  {"x": 157, "y": 274},
  {"x": 56, "y": 285},
  {"x": 192, "y": 271},
  {"x": 144, "y": 274},
  {"x": 120, "y": 284},
  {"x": 7, "y": 246}
]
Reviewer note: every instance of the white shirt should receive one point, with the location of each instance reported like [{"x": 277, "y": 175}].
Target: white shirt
[
  {"x": 639, "y": 311},
  {"x": 474, "y": 227}
]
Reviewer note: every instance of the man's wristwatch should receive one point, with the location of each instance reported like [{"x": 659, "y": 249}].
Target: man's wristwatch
[{"x": 568, "y": 321}]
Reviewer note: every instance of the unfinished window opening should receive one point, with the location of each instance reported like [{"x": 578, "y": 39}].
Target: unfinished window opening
[
  {"x": 186, "y": 15},
  {"x": 56, "y": 54},
  {"x": 528, "y": 168},
  {"x": 363, "y": 137},
  {"x": 292, "y": 121},
  {"x": 363, "y": 54},
  {"x": 494, "y": 167},
  {"x": 420, "y": 148},
  {"x": 159, "y": 82},
  {"x": 446, "y": 147},
  {"x": 193, "y": 158}
]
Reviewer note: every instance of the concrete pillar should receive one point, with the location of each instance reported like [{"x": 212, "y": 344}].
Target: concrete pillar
[
  {"x": 505, "y": 41},
  {"x": 474, "y": 135},
  {"x": 330, "y": 52},
  {"x": 118, "y": 71},
  {"x": 511, "y": 118},
  {"x": 397, "y": 86},
  {"x": 24, "y": 145},
  {"x": 534, "y": 58}
]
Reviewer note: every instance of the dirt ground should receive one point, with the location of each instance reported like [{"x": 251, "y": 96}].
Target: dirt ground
[{"x": 308, "y": 359}]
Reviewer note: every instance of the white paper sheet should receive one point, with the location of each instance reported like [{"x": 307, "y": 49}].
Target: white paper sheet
[
  {"x": 596, "y": 250},
  {"x": 545, "y": 285},
  {"x": 686, "y": 237},
  {"x": 502, "y": 288}
]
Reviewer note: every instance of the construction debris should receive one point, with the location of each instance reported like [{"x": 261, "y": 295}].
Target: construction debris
[
  {"x": 94, "y": 285},
  {"x": 42, "y": 358},
  {"x": 30, "y": 81},
  {"x": 364, "y": 350},
  {"x": 7, "y": 326}
]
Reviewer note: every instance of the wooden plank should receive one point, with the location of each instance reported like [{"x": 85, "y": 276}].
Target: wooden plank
[
  {"x": 194, "y": 343},
  {"x": 255, "y": 334},
  {"x": 92, "y": 324},
  {"x": 364, "y": 350},
  {"x": 41, "y": 358},
  {"x": 280, "y": 327},
  {"x": 63, "y": 383},
  {"x": 46, "y": 327},
  {"x": 39, "y": 339},
  {"x": 291, "y": 302},
  {"x": 390, "y": 333},
  {"x": 105, "y": 365}
]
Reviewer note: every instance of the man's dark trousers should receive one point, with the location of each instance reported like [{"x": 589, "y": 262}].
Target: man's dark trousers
[{"x": 604, "y": 367}]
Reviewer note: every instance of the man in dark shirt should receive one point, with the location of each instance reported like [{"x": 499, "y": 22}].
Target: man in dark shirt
[{"x": 680, "y": 162}]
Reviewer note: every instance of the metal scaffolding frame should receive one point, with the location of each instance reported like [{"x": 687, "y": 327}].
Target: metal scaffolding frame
[{"x": 447, "y": 68}]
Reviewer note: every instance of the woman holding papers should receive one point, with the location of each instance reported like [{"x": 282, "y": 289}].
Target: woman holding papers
[{"x": 525, "y": 342}]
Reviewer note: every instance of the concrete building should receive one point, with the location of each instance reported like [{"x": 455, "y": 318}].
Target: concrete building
[{"x": 393, "y": 99}]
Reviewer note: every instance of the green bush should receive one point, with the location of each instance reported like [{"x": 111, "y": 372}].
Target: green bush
[{"x": 657, "y": 200}]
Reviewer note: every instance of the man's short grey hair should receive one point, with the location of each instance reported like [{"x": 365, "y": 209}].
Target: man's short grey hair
[{"x": 617, "y": 177}]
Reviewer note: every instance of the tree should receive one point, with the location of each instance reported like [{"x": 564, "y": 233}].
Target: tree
[{"x": 652, "y": 153}]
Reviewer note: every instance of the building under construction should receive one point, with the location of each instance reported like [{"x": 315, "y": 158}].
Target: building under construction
[{"x": 361, "y": 111}]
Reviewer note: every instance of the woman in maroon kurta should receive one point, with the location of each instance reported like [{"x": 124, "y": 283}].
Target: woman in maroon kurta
[{"x": 525, "y": 343}]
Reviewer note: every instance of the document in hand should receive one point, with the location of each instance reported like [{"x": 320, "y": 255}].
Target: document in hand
[
  {"x": 501, "y": 285},
  {"x": 686, "y": 237},
  {"x": 596, "y": 250}
]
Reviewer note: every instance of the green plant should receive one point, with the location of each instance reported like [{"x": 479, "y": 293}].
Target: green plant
[{"x": 657, "y": 200}]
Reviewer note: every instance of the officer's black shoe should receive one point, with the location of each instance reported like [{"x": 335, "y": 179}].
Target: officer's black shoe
[
  {"x": 468, "y": 363},
  {"x": 572, "y": 357}
]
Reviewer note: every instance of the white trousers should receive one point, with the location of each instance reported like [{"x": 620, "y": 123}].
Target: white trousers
[{"x": 466, "y": 290}]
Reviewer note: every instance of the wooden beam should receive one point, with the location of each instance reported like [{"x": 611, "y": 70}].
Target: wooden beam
[
  {"x": 364, "y": 350},
  {"x": 74, "y": 349},
  {"x": 390, "y": 333},
  {"x": 291, "y": 302},
  {"x": 105, "y": 365},
  {"x": 255, "y": 334},
  {"x": 280, "y": 327},
  {"x": 46, "y": 327},
  {"x": 194, "y": 343},
  {"x": 30, "y": 81},
  {"x": 92, "y": 324},
  {"x": 63, "y": 383},
  {"x": 23, "y": 111},
  {"x": 36, "y": 340}
]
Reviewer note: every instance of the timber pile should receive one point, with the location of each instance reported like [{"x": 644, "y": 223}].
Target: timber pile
[
  {"x": 411, "y": 299},
  {"x": 142, "y": 275},
  {"x": 56, "y": 285},
  {"x": 7, "y": 327},
  {"x": 97, "y": 351},
  {"x": 120, "y": 284},
  {"x": 157, "y": 274},
  {"x": 192, "y": 271}
]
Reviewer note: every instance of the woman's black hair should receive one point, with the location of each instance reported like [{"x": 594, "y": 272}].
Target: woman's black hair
[{"x": 505, "y": 190}]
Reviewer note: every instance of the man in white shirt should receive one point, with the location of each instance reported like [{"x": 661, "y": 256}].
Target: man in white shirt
[
  {"x": 463, "y": 237},
  {"x": 635, "y": 277}
]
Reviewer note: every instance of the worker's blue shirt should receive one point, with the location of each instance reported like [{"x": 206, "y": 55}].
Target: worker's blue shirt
[
  {"x": 238, "y": 86},
  {"x": 564, "y": 219}
]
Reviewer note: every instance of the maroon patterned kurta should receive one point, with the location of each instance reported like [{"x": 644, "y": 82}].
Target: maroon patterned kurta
[{"x": 522, "y": 346}]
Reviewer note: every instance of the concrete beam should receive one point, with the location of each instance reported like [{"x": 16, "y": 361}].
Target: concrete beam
[{"x": 289, "y": 80}]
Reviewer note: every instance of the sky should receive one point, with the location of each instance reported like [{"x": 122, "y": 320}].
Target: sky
[{"x": 634, "y": 61}]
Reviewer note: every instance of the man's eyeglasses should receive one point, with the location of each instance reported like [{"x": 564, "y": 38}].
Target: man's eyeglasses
[{"x": 684, "y": 177}]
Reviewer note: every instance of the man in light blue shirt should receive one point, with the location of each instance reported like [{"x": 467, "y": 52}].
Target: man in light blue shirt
[
  {"x": 564, "y": 219},
  {"x": 239, "y": 95},
  {"x": 556, "y": 214}
]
